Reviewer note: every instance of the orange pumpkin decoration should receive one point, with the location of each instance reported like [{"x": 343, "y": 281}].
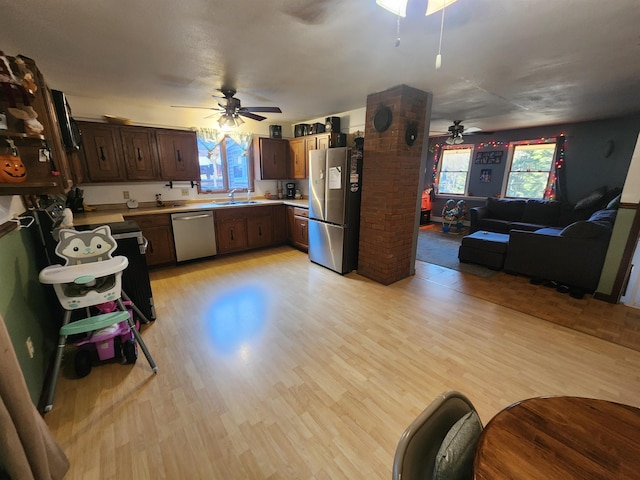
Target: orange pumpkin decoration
[{"x": 12, "y": 169}]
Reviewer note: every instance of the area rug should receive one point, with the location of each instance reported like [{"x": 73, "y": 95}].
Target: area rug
[{"x": 441, "y": 248}]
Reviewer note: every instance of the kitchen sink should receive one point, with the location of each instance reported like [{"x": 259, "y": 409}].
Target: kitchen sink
[{"x": 245, "y": 202}]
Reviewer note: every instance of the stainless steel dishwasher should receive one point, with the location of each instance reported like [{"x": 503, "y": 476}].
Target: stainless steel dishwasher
[{"x": 194, "y": 235}]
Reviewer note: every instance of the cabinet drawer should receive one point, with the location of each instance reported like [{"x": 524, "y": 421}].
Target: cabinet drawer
[
  {"x": 231, "y": 214},
  {"x": 301, "y": 212},
  {"x": 146, "y": 221}
]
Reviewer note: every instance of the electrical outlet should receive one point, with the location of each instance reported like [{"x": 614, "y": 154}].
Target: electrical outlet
[
  {"x": 125, "y": 194},
  {"x": 30, "y": 348},
  {"x": 185, "y": 192}
]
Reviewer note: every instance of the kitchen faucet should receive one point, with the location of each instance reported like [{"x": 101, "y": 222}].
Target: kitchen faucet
[{"x": 233, "y": 199}]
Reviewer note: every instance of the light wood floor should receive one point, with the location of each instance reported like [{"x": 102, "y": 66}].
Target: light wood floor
[{"x": 271, "y": 367}]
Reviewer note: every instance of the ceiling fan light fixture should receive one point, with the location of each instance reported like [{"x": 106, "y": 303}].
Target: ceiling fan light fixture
[
  {"x": 434, "y": 6},
  {"x": 399, "y": 7}
]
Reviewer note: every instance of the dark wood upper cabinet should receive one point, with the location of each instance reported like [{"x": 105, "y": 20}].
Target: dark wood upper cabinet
[
  {"x": 102, "y": 152},
  {"x": 178, "y": 153},
  {"x": 140, "y": 153},
  {"x": 116, "y": 153},
  {"x": 270, "y": 158}
]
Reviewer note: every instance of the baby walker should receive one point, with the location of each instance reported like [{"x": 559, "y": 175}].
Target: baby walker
[{"x": 109, "y": 342}]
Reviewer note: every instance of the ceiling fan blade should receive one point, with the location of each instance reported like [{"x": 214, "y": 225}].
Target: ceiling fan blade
[
  {"x": 471, "y": 130},
  {"x": 252, "y": 116},
  {"x": 188, "y": 106},
  {"x": 261, "y": 109}
]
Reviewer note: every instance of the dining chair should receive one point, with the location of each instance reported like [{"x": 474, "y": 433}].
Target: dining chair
[{"x": 440, "y": 443}]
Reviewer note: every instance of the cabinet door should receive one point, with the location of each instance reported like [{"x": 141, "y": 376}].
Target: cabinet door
[
  {"x": 300, "y": 232},
  {"x": 157, "y": 230},
  {"x": 322, "y": 142},
  {"x": 178, "y": 154},
  {"x": 102, "y": 152},
  {"x": 259, "y": 231},
  {"x": 297, "y": 157},
  {"x": 161, "y": 249},
  {"x": 140, "y": 157},
  {"x": 272, "y": 158},
  {"x": 309, "y": 144},
  {"x": 232, "y": 235},
  {"x": 279, "y": 214}
]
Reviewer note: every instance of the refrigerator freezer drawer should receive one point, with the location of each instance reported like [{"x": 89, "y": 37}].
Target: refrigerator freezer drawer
[{"x": 326, "y": 245}]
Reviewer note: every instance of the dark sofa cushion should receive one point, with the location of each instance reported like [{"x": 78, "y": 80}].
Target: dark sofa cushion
[
  {"x": 529, "y": 227},
  {"x": 604, "y": 216},
  {"x": 586, "y": 229},
  {"x": 502, "y": 209},
  {"x": 494, "y": 225},
  {"x": 541, "y": 212}
]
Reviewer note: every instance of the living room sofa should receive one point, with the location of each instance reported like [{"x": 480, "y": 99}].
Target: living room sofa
[
  {"x": 572, "y": 256},
  {"x": 503, "y": 215}
]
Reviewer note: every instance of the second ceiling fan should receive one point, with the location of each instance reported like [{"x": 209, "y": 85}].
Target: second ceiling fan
[{"x": 456, "y": 131}]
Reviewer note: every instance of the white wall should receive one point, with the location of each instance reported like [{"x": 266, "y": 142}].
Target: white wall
[{"x": 631, "y": 190}]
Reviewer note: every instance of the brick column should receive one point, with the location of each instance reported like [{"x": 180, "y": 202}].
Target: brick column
[{"x": 392, "y": 177}]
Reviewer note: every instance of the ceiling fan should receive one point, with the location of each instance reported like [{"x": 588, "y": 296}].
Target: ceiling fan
[
  {"x": 457, "y": 130},
  {"x": 231, "y": 110}
]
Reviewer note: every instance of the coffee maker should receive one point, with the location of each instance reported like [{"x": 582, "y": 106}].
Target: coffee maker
[{"x": 291, "y": 190}]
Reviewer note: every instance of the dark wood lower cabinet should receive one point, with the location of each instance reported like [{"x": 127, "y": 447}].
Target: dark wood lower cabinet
[
  {"x": 237, "y": 229},
  {"x": 157, "y": 230},
  {"x": 231, "y": 234},
  {"x": 259, "y": 230},
  {"x": 298, "y": 222}
]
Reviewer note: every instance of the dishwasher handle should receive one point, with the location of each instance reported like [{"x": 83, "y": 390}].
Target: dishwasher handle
[
  {"x": 143, "y": 246},
  {"x": 191, "y": 217}
]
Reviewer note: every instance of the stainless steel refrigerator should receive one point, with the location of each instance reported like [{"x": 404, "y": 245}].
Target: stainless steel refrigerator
[{"x": 335, "y": 180}]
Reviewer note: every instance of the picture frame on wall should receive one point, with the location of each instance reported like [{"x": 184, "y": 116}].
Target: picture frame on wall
[
  {"x": 485, "y": 175},
  {"x": 493, "y": 157}
]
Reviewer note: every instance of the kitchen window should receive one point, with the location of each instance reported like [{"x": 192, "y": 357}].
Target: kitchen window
[
  {"x": 225, "y": 163},
  {"x": 453, "y": 170},
  {"x": 530, "y": 170}
]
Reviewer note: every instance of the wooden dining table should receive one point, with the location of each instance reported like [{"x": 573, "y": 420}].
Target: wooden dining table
[{"x": 560, "y": 438}]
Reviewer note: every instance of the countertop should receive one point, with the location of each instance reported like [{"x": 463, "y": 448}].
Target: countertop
[{"x": 113, "y": 214}]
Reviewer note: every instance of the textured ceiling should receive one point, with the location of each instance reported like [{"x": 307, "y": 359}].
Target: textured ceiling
[{"x": 505, "y": 63}]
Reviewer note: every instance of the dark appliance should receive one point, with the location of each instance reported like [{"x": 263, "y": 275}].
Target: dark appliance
[
  {"x": 337, "y": 140},
  {"x": 301, "y": 129},
  {"x": 316, "y": 128},
  {"x": 71, "y": 136},
  {"x": 275, "y": 131},
  {"x": 335, "y": 180},
  {"x": 136, "y": 283},
  {"x": 291, "y": 190},
  {"x": 332, "y": 124}
]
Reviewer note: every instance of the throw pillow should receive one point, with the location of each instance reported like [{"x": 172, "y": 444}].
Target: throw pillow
[
  {"x": 591, "y": 199},
  {"x": 615, "y": 203},
  {"x": 585, "y": 229},
  {"x": 454, "y": 459}
]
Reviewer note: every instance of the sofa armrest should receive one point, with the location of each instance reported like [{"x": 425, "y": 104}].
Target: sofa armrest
[
  {"x": 477, "y": 214},
  {"x": 570, "y": 261}
]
